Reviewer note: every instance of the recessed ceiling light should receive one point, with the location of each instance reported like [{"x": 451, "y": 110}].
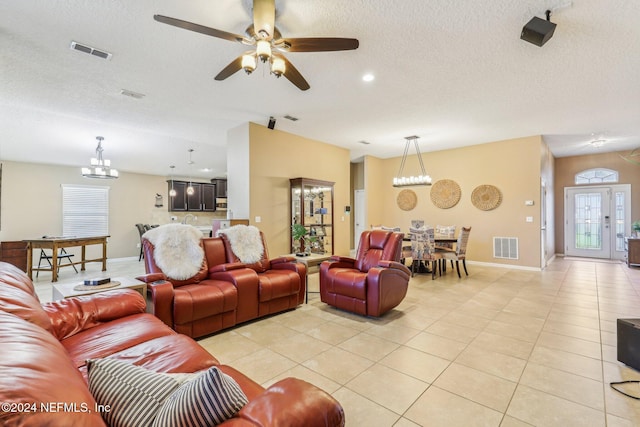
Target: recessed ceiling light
[{"x": 368, "y": 77}]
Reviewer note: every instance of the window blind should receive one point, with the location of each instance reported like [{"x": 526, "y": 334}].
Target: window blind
[{"x": 85, "y": 210}]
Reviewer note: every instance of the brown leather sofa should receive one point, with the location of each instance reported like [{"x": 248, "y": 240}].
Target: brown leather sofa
[
  {"x": 224, "y": 292},
  {"x": 372, "y": 283},
  {"x": 45, "y": 348}
]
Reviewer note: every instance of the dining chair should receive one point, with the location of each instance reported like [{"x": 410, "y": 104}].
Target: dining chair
[
  {"x": 417, "y": 223},
  {"x": 445, "y": 232},
  {"x": 141, "y": 230},
  {"x": 423, "y": 249},
  {"x": 460, "y": 251}
]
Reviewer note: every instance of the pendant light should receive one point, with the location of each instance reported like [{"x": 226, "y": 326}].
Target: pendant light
[
  {"x": 100, "y": 167},
  {"x": 172, "y": 192},
  {"x": 406, "y": 181},
  {"x": 190, "y": 189}
]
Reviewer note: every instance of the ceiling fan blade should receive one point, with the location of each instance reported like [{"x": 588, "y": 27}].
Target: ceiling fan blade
[
  {"x": 293, "y": 75},
  {"x": 316, "y": 44},
  {"x": 199, "y": 28},
  {"x": 264, "y": 18},
  {"x": 232, "y": 68}
]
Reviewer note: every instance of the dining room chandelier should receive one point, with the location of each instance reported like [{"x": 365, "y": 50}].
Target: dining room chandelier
[
  {"x": 406, "y": 181},
  {"x": 99, "y": 166}
]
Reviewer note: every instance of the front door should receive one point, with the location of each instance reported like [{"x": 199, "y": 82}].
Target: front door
[{"x": 596, "y": 221}]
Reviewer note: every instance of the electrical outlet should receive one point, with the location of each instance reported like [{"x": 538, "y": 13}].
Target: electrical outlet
[
  {"x": 138, "y": 245},
  {"x": 258, "y": 219}
]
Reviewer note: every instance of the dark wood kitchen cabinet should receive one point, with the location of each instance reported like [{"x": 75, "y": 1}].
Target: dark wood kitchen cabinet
[
  {"x": 221, "y": 187},
  {"x": 203, "y": 198}
]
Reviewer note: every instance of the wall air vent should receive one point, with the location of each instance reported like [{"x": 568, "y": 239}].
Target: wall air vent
[
  {"x": 505, "y": 247},
  {"x": 363, "y": 142},
  {"x": 293, "y": 119},
  {"x": 90, "y": 50}
]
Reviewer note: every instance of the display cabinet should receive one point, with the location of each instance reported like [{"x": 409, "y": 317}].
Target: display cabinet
[
  {"x": 632, "y": 251},
  {"x": 312, "y": 207}
]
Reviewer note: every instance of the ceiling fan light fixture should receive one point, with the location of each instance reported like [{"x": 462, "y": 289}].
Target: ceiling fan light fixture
[
  {"x": 263, "y": 50},
  {"x": 249, "y": 63},
  {"x": 278, "y": 66}
]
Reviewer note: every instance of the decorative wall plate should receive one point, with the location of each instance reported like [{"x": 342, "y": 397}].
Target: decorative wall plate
[
  {"x": 407, "y": 200},
  {"x": 445, "y": 193},
  {"x": 486, "y": 197}
]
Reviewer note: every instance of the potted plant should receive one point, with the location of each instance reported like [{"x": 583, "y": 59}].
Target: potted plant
[
  {"x": 300, "y": 232},
  {"x": 636, "y": 228}
]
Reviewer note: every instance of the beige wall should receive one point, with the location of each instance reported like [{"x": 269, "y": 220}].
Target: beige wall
[
  {"x": 511, "y": 166},
  {"x": 32, "y": 204},
  {"x": 565, "y": 171},
  {"x": 277, "y": 156}
]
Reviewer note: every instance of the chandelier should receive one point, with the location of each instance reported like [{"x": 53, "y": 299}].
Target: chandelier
[
  {"x": 406, "y": 181},
  {"x": 100, "y": 167}
]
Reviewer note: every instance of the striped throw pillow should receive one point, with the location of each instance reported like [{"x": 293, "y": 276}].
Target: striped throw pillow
[
  {"x": 132, "y": 396},
  {"x": 129, "y": 395},
  {"x": 209, "y": 399}
]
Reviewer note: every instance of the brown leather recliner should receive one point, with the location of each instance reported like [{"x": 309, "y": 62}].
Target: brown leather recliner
[
  {"x": 374, "y": 282},
  {"x": 282, "y": 280},
  {"x": 199, "y": 305}
]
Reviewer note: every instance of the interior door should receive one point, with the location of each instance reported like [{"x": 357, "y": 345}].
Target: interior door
[{"x": 596, "y": 221}]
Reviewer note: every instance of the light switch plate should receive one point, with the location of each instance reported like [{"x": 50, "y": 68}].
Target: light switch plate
[
  {"x": 529, "y": 219},
  {"x": 258, "y": 219}
]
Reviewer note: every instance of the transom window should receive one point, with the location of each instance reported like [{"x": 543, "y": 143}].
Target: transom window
[{"x": 596, "y": 176}]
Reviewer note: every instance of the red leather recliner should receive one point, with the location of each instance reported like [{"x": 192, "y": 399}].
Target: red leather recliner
[
  {"x": 374, "y": 282},
  {"x": 199, "y": 305},
  {"x": 282, "y": 280}
]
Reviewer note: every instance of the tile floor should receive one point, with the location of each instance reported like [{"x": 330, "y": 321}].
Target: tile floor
[{"x": 501, "y": 347}]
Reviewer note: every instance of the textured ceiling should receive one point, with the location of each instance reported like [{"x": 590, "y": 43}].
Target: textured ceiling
[{"x": 453, "y": 72}]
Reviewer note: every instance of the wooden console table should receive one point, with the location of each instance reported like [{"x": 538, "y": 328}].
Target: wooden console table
[{"x": 57, "y": 243}]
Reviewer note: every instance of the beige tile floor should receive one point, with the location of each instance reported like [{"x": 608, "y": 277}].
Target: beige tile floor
[{"x": 502, "y": 347}]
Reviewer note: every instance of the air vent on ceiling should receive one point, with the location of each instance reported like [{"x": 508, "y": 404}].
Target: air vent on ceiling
[
  {"x": 90, "y": 50},
  {"x": 293, "y": 119},
  {"x": 364, "y": 142},
  {"x": 505, "y": 247},
  {"x": 132, "y": 94}
]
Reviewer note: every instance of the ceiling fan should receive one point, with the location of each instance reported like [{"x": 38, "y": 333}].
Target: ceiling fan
[{"x": 267, "y": 42}]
